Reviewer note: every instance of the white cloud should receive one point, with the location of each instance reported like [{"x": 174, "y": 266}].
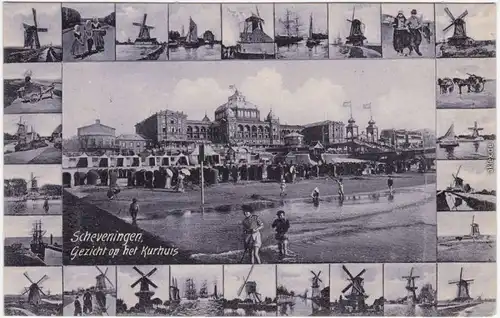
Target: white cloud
[
  {"x": 473, "y": 173},
  {"x": 50, "y": 71},
  {"x": 453, "y": 223},
  {"x": 394, "y": 283},
  {"x": 126, "y": 14},
  {"x": 21, "y": 226},
  {"x": 91, "y": 10}
]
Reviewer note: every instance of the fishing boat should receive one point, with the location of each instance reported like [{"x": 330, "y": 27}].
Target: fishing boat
[
  {"x": 154, "y": 54},
  {"x": 190, "y": 292},
  {"x": 449, "y": 140},
  {"x": 291, "y": 26},
  {"x": 192, "y": 36},
  {"x": 311, "y": 41},
  {"x": 254, "y": 43},
  {"x": 174, "y": 292},
  {"x": 204, "y": 290}
]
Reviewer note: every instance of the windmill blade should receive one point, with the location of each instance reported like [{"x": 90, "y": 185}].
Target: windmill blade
[
  {"x": 458, "y": 171},
  {"x": 110, "y": 282},
  {"x": 26, "y": 275},
  {"x": 26, "y": 289},
  {"x": 43, "y": 279},
  {"x": 448, "y": 27},
  {"x": 461, "y": 271},
  {"x": 347, "y": 271},
  {"x": 152, "y": 272},
  {"x": 453, "y": 282},
  {"x": 353, "y": 11},
  {"x": 359, "y": 288},
  {"x": 136, "y": 282},
  {"x": 150, "y": 282},
  {"x": 347, "y": 288},
  {"x": 34, "y": 18},
  {"x": 245, "y": 281},
  {"x": 319, "y": 279},
  {"x": 448, "y": 12},
  {"x": 139, "y": 271},
  {"x": 360, "y": 273},
  {"x": 463, "y": 15},
  {"x": 144, "y": 19},
  {"x": 411, "y": 272},
  {"x": 136, "y": 24},
  {"x": 40, "y": 290}
]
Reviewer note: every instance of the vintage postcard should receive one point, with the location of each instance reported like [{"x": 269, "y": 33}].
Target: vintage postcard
[{"x": 250, "y": 159}]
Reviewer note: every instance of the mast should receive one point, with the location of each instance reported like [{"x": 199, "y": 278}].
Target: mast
[{"x": 310, "y": 26}]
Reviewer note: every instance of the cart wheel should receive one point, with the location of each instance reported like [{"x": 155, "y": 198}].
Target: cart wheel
[{"x": 479, "y": 87}]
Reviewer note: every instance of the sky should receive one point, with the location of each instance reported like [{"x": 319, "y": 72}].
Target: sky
[
  {"x": 207, "y": 16},
  {"x": 484, "y": 275},
  {"x": 43, "y": 124},
  {"x": 14, "y": 280},
  {"x": 85, "y": 276},
  {"x": 126, "y": 276},
  {"x": 234, "y": 15},
  {"x": 367, "y": 13},
  {"x": 372, "y": 280},
  {"x": 48, "y": 15},
  {"x": 299, "y": 278},
  {"x": 211, "y": 273},
  {"x": 21, "y": 226},
  {"x": 449, "y": 223},
  {"x": 394, "y": 284},
  {"x": 465, "y": 118},
  {"x": 45, "y": 174},
  {"x": 127, "y": 13},
  {"x": 473, "y": 172},
  {"x": 263, "y": 275},
  {"x": 302, "y": 92},
  {"x": 424, "y": 10},
  {"x": 480, "y": 22},
  {"x": 90, "y": 10},
  {"x": 303, "y": 11},
  {"x": 45, "y": 71},
  {"x": 460, "y": 67}
]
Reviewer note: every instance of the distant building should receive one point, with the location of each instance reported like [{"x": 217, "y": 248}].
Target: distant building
[
  {"x": 294, "y": 140},
  {"x": 327, "y": 132},
  {"x": 133, "y": 142},
  {"x": 402, "y": 138},
  {"x": 96, "y": 137},
  {"x": 208, "y": 36}
]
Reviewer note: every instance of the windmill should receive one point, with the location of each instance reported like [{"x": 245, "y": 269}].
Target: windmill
[
  {"x": 101, "y": 288},
  {"x": 144, "y": 34},
  {"x": 459, "y": 36},
  {"x": 475, "y": 130},
  {"x": 31, "y": 39},
  {"x": 315, "y": 284},
  {"x": 356, "y": 36},
  {"x": 410, "y": 287},
  {"x": 457, "y": 183},
  {"x": 34, "y": 183},
  {"x": 462, "y": 287},
  {"x": 144, "y": 293},
  {"x": 357, "y": 295},
  {"x": 250, "y": 289},
  {"x": 474, "y": 229},
  {"x": 34, "y": 290}
]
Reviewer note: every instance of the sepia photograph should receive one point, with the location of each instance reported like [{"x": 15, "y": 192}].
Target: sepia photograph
[
  {"x": 354, "y": 30},
  {"x": 32, "y": 189},
  {"x": 195, "y": 31},
  {"x": 88, "y": 31},
  {"x": 301, "y": 30},
  {"x": 262, "y": 153},
  {"x": 466, "y": 236},
  {"x": 196, "y": 290},
  {"x": 248, "y": 31},
  {"x": 408, "y": 30},
  {"x": 33, "y": 241},
  {"x": 465, "y": 30},
  {"x": 466, "y": 185},
  {"x": 32, "y": 88},
  {"x": 33, "y": 291},
  {"x": 410, "y": 290},
  {"x": 143, "y": 290},
  {"x": 32, "y": 139},
  {"x": 362, "y": 291},
  {"x": 466, "y": 134},
  {"x": 89, "y": 291},
  {"x": 466, "y": 83},
  {"x": 466, "y": 289},
  {"x": 250, "y": 290},
  {"x": 34, "y": 32},
  {"x": 303, "y": 290},
  {"x": 141, "y": 31}
]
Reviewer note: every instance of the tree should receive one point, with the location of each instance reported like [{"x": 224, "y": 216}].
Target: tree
[
  {"x": 121, "y": 307},
  {"x": 15, "y": 187},
  {"x": 174, "y": 35},
  {"x": 70, "y": 18},
  {"x": 110, "y": 19}
]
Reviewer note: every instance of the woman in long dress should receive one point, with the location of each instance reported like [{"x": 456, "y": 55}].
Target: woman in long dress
[
  {"x": 98, "y": 35},
  {"x": 88, "y": 36},
  {"x": 78, "y": 46},
  {"x": 401, "y": 37}
]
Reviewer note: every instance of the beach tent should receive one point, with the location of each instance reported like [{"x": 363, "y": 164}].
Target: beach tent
[{"x": 299, "y": 158}]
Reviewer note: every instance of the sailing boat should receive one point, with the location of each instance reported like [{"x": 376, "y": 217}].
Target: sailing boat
[
  {"x": 311, "y": 42},
  {"x": 204, "y": 290},
  {"x": 190, "y": 292},
  {"x": 449, "y": 139},
  {"x": 292, "y": 31},
  {"x": 192, "y": 36}
]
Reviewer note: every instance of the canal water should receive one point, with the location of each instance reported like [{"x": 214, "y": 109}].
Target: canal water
[
  {"x": 130, "y": 52},
  {"x": 403, "y": 310},
  {"x": 205, "y": 52},
  {"x": 465, "y": 151},
  {"x": 300, "y": 51},
  {"x": 485, "y": 309},
  {"x": 398, "y": 228},
  {"x": 32, "y": 207},
  {"x": 302, "y": 307}
]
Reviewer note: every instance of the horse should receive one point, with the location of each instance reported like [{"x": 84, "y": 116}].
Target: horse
[
  {"x": 461, "y": 83},
  {"x": 446, "y": 85}
]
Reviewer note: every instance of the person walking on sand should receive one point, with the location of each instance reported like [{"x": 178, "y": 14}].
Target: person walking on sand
[
  {"x": 46, "y": 205},
  {"x": 134, "y": 209},
  {"x": 78, "y": 306},
  {"x": 282, "y": 188},
  {"x": 252, "y": 238},
  {"x": 315, "y": 196},
  {"x": 390, "y": 183},
  {"x": 281, "y": 225},
  {"x": 340, "y": 183}
]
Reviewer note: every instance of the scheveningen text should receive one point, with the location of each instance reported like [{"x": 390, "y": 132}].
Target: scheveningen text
[{"x": 79, "y": 237}]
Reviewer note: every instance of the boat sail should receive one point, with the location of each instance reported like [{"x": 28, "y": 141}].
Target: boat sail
[
  {"x": 192, "y": 36},
  {"x": 190, "y": 292},
  {"x": 291, "y": 26},
  {"x": 449, "y": 139},
  {"x": 204, "y": 290},
  {"x": 311, "y": 41}
]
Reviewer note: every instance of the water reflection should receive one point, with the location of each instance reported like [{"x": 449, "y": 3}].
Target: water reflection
[{"x": 300, "y": 307}]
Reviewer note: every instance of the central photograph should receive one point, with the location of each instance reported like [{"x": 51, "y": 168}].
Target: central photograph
[{"x": 228, "y": 163}]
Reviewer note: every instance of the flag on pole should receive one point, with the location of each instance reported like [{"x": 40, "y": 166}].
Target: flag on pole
[
  {"x": 347, "y": 104},
  {"x": 367, "y": 106}
]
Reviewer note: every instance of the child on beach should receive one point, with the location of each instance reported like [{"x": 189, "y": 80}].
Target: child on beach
[
  {"x": 282, "y": 188},
  {"x": 315, "y": 196},
  {"x": 252, "y": 238},
  {"x": 341, "y": 188},
  {"x": 134, "y": 209},
  {"x": 281, "y": 225},
  {"x": 390, "y": 183}
]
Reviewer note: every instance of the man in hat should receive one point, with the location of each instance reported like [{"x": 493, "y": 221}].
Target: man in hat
[
  {"x": 252, "y": 238},
  {"x": 281, "y": 225},
  {"x": 134, "y": 209},
  {"x": 415, "y": 26}
]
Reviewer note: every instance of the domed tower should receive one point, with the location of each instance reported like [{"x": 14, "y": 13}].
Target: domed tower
[
  {"x": 274, "y": 128},
  {"x": 372, "y": 131},
  {"x": 351, "y": 130}
]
